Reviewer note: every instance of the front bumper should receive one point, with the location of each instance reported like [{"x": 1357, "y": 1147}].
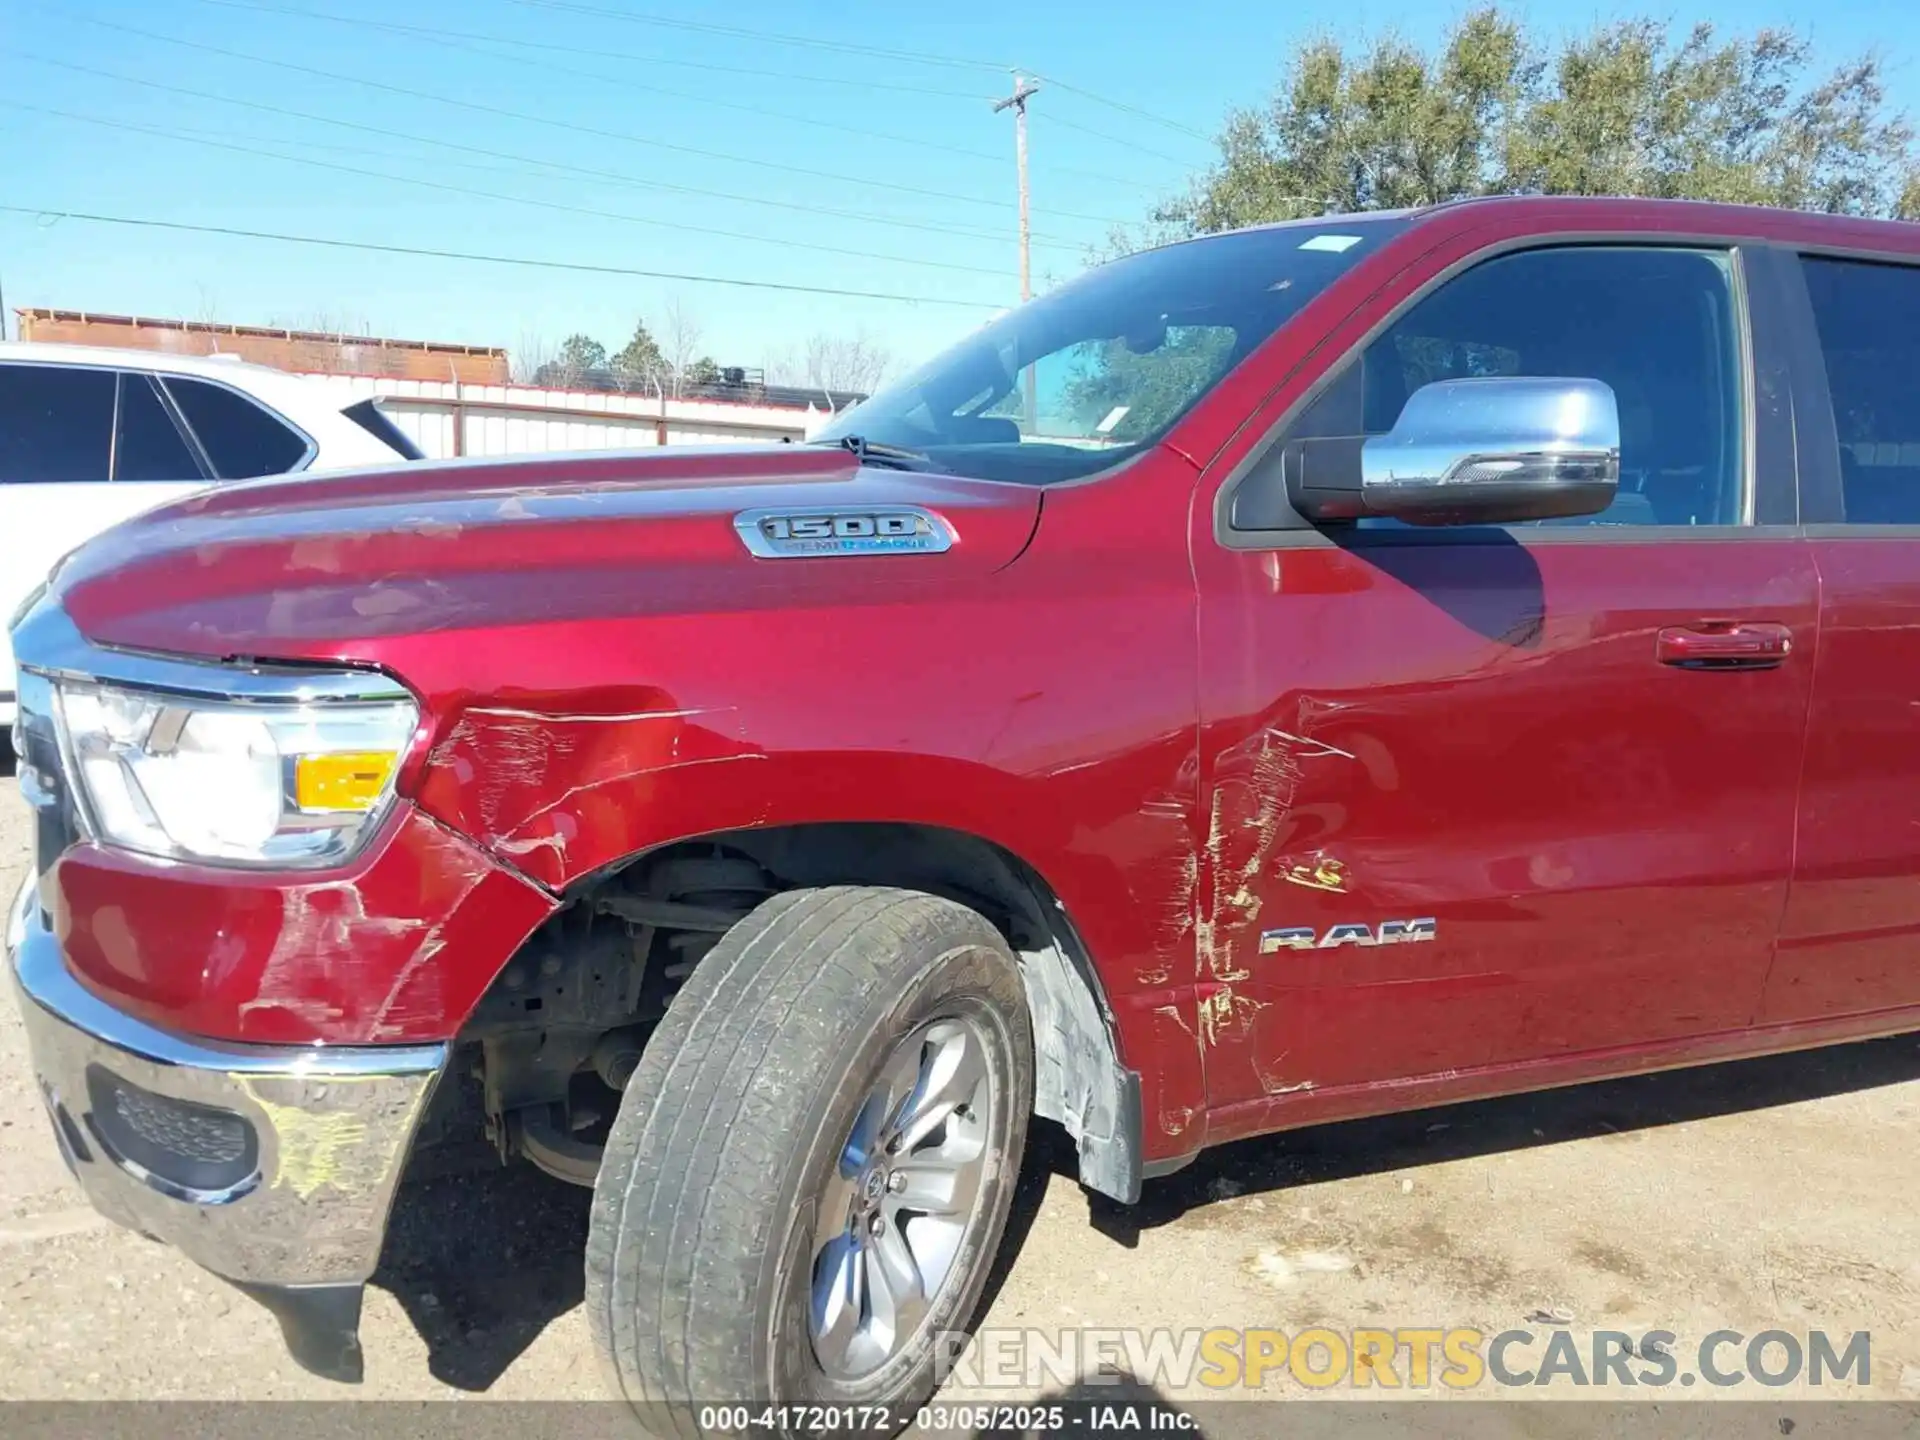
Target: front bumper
[{"x": 272, "y": 1166}]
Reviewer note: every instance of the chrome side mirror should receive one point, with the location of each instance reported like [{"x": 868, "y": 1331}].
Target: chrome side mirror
[
  {"x": 1491, "y": 450},
  {"x": 1497, "y": 448}
]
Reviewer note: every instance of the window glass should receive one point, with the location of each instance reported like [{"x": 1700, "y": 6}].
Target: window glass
[
  {"x": 150, "y": 447},
  {"x": 1657, "y": 325},
  {"x": 241, "y": 439},
  {"x": 1097, "y": 370},
  {"x": 1103, "y": 393},
  {"x": 56, "y": 423},
  {"x": 1869, "y": 321}
]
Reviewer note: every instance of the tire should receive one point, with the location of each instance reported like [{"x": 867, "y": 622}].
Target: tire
[{"x": 730, "y": 1158}]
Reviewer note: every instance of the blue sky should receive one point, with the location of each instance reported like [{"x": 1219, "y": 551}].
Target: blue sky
[{"x": 920, "y": 172}]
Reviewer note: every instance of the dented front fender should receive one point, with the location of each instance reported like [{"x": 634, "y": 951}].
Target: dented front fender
[{"x": 394, "y": 948}]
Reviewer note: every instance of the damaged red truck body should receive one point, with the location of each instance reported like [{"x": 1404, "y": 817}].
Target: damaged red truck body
[{"x": 1317, "y": 670}]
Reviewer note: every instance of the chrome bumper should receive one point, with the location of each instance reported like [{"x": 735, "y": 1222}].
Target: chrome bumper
[{"x": 272, "y": 1166}]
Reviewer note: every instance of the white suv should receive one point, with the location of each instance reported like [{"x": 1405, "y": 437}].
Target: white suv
[{"x": 91, "y": 436}]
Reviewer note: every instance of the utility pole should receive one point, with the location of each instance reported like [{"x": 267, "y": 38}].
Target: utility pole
[{"x": 1023, "y": 90}]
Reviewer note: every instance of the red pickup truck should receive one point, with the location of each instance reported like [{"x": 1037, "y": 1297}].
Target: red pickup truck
[{"x": 1293, "y": 674}]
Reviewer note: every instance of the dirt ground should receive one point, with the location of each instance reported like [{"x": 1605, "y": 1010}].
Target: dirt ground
[{"x": 1778, "y": 1194}]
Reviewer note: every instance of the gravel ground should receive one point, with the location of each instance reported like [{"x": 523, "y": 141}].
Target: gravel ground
[{"x": 1776, "y": 1194}]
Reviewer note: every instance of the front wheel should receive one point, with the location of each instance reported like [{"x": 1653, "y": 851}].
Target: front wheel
[{"x": 812, "y": 1166}]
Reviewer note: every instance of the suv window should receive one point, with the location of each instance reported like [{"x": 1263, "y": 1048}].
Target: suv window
[
  {"x": 1657, "y": 325},
  {"x": 1868, "y": 316},
  {"x": 240, "y": 438},
  {"x": 150, "y": 446},
  {"x": 56, "y": 424}
]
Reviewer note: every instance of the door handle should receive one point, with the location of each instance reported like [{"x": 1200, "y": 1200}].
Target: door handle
[{"x": 1724, "y": 645}]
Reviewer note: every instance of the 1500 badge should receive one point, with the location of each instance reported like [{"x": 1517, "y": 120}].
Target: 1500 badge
[
  {"x": 1391, "y": 932},
  {"x": 884, "y": 530}
]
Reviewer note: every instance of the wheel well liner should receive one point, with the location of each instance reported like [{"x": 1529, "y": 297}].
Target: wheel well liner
[{"x": 1080, "y": 1081}]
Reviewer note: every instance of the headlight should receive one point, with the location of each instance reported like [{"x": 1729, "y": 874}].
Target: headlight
[{"x": 232, "y": 782}]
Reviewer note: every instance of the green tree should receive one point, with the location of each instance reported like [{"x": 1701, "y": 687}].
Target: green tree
[
  {"x": 580, "y": 353},
  {"x": 577, "y": 355},
  {"x": 641, "y": 361},
  {"x": 1153, "y": 385},
  {"x": 1626, "y": 109}
]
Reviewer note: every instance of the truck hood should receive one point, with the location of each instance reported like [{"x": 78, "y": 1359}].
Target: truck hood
[{"x": 294, "y": 567}]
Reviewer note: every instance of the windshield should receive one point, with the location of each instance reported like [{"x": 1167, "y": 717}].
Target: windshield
[{"x": 1099, "y": 369}]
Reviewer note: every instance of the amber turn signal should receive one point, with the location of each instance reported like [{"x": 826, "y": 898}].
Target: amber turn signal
[{"x": 349, "y": 781}]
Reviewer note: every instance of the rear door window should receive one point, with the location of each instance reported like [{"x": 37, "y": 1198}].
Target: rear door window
[
  {"x": 150, "y": 445},
  {"x": 240, "y": 437},
  {"x": 1868, "y": 315},
  {"x": 56, "y": 424}
]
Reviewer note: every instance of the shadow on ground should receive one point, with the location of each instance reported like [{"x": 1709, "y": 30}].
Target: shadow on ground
[
  {"x": 1517, "y": 1122},
  {"x": 483, "y": 1258}
]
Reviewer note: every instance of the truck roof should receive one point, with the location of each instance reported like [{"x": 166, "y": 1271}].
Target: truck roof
[{"x": 1616, "y": 212}]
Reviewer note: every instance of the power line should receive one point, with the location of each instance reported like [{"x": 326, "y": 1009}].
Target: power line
[
  {"x": 466, "y": 41},
  {"x": 441, "y": 185},
  {"x": 1136, "y": 148},
  {"x": 588, "y": 172},
  {"x": 848, "y": 47},
  {"x": 582, "y": 267},
  {"x": 865, "y": 182},
  {"x": 861, "y": 82},
  {"x": 304, "y": 143},
  {"x": 1122, "y": 106},
  {"x": 810, "y": 42}
]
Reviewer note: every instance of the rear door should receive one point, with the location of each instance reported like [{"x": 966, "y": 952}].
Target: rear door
[
  {"x": 1498, "y": 745},
  {"x": 239, "y": 437},
  {"x": 1850, "y": 939}
]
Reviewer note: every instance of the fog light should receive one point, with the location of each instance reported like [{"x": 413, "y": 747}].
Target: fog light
[{"x": 186, "y": 1146}]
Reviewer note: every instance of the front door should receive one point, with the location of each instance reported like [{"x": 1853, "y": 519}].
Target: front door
[{"x": 1475, "y": 797}]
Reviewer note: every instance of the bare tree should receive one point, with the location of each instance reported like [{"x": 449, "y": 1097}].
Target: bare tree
[
  {"x": 782, "y": 367},
  {"x": 835, "y": 364},
  {"x": 679, "y": 340},
  {"x": 847, "y": 362},
  {"x": 206, "y": 311},
  {"x": 206, "y": 308},
  {"x": 532, "y": 357},
  {"x": 324, "y": 321}
]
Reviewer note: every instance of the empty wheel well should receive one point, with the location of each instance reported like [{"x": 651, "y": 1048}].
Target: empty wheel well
[{"x": 564, "y": 1023}]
